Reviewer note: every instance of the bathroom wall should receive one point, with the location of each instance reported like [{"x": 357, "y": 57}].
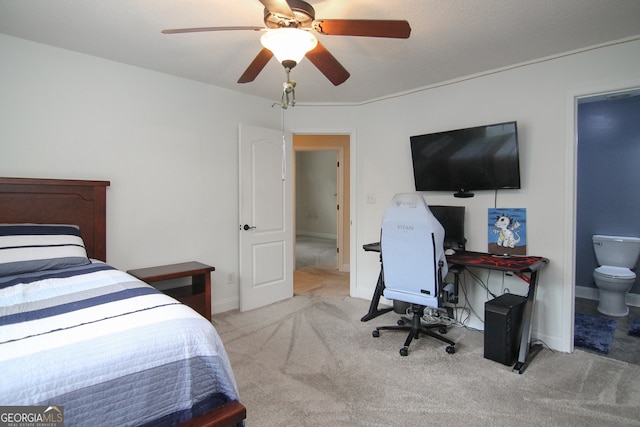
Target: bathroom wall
[{"x": 608, "y": 200}]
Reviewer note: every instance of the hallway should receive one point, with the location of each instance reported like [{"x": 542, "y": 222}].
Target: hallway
[{"x": 316, "y": 269}]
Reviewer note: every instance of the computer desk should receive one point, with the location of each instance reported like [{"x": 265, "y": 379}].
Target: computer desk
[{"x": 525, "y": 267}]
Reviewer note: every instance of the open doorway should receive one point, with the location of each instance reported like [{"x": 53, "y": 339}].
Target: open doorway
[
  {"x": 316, "y": 195},
  {"x": 322, "y": 227},
  {"x": 607, "y": 134}
]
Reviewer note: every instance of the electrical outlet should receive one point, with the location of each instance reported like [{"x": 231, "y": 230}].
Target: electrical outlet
[{"x": 371, "y": 198}]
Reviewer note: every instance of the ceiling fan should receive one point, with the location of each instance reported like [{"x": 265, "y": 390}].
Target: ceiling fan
[{"x": 288, "y": 19}]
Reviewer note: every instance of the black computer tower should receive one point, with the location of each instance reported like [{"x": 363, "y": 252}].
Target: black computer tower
[{"x": 502, "y": 328}]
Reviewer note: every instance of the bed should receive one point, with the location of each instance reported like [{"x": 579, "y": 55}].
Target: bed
[{"x": 79, "y": 334}]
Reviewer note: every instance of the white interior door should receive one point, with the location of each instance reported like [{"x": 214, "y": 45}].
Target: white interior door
[{"x": 266, "y": 212}]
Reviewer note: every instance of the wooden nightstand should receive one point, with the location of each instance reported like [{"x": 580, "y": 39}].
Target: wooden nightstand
[{"x": 197, "y": 295}]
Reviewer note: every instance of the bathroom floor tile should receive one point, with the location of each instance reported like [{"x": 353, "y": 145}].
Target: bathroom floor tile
[{"x": 624, "y": 347}]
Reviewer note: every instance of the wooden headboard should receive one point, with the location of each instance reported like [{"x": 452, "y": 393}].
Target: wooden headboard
[{"x": 58, "y": 201}]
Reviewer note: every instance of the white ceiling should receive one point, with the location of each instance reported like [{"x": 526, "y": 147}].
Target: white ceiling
[{"x": 449, "y": 39}]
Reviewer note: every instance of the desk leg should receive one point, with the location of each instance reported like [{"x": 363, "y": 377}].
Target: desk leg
[
  {"x": 527, "y": 351},
  {"x": 373, "y": 307}
]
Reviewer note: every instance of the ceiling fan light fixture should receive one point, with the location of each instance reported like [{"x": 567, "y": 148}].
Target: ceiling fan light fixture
[{"x": 289, "y": 44}]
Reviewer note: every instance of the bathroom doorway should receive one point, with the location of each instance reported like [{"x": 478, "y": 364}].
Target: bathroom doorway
[{"x": 607, "y": 173}]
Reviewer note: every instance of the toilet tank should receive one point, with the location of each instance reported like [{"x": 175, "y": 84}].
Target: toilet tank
[{"x": 618, "y": 251}]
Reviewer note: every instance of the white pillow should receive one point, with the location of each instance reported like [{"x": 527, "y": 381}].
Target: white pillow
[{"x": 35, "y": 247}]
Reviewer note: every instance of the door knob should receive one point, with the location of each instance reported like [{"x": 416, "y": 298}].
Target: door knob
[{"x": 247, "y": 227}]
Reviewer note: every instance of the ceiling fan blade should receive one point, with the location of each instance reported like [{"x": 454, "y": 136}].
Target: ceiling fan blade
[
  {"x": 328, "y": 65},
  {"x": 256, "y": 66},
  {"x": 278, "y": 7},
  {"x": 202, "y": 29},
  {"x": 363, "y": 27}
]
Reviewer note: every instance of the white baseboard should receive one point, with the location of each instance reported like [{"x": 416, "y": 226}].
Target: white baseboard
[
  {"x": 361, "y": 292},
  {"x": 592, "y": 293},
  {"x": 587, "y": 293},
  {"x": 221, "y": 306}
]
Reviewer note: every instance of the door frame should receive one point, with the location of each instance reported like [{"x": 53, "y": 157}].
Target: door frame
[
  {"x": 570, "y": 188},
  {"x": 351, "y": 133}
]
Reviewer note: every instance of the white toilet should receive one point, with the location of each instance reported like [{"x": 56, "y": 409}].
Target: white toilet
[{"x": 616, "y": 256}]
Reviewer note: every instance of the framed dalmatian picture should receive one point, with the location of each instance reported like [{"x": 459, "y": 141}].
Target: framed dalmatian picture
[{"x": 507, "y": 231}]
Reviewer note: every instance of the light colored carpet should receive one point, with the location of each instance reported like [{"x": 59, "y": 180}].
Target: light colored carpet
[{"x": 310, "y": 361}]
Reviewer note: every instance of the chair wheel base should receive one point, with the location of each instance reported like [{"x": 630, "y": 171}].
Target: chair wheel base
[{"x": 416, "y": 330}]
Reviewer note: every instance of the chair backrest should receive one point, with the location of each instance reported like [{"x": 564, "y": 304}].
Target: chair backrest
[{"x": 411, "y": 243}]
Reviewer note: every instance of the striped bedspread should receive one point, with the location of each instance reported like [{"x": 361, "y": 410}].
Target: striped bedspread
[{"x": 108, "y": 348}]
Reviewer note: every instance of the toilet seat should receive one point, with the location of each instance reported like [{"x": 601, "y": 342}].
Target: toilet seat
[{"x": 614, "y": 272}]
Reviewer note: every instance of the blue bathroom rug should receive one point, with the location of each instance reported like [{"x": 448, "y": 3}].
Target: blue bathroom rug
[
  {"x": 634, "y": 328},
  {"x": 594, "y": 332}
]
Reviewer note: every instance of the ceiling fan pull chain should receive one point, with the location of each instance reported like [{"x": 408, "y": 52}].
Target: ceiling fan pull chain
[
  {"x": 284, "y": 151},
  {"x": 284, "y": 103}
]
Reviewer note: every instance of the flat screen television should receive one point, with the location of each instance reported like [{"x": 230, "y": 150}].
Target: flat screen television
[{"x": 465, "y": 160}]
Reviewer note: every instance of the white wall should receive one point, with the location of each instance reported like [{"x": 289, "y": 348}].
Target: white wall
[
  {"x": 169, "y": 146},
  {"x": 316, "y": 190},
  {"x": 537, "y": 96}
]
